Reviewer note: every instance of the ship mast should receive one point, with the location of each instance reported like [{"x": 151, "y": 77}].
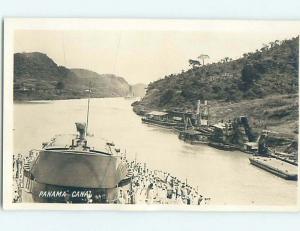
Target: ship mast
[{"x": 88, "y": 110}]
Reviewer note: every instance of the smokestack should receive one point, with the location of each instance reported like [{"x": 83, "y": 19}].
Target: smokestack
[{"x": 198, "y": 107}]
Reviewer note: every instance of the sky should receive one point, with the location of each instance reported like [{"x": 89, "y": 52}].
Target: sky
[{"x": 143, "y": 56}]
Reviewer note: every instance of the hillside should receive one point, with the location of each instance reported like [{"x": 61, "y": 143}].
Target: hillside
[
  {"x": 278, "y": 113},
  {"x": 38, "y": 77},
  {"x": 104, "y": 85},
  {"x": 271, "y": 70},
  {"x": 262, "y": 85}
]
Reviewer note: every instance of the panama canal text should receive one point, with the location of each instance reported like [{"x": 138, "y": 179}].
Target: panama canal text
[{"x": 74, "y": 194}]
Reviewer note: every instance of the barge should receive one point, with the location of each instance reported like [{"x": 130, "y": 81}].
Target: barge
[
  {"x": 161, "y": 119},
  {"x": 277, "y": 167}
]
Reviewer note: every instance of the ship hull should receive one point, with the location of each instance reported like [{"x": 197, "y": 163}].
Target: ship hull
[
  {"x": 71, "y": 172},
  {"x": 45, "y": 193}
]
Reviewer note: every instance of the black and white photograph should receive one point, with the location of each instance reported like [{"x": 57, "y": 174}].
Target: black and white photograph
[{"x": 136, "y": 114}]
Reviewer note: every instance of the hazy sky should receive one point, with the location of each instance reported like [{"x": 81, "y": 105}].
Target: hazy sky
[{"x": 142, "y": 56}]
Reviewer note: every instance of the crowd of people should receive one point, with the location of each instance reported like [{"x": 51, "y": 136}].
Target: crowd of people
[
  {"x": 18, "y": 163},
  {"x": 146, "y": 186},
  {"x": 21, "y": 174},
  {"x": 157, "y": 187}
]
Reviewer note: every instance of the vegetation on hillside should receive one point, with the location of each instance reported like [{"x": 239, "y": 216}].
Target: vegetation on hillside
[
  {"x": 278, "y": 113},
  {"x": 271, "y": 70},
  {"x": 262, "y": 85},
  {"x": 38, "y": 77}
]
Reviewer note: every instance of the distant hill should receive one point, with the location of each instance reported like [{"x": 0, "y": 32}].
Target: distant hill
[
  {"x": 271, "y": 70},
  {"x": 38, "y": 77},
  {"x": 104, "y": 85},
  {"x": 139, "y": 89}
]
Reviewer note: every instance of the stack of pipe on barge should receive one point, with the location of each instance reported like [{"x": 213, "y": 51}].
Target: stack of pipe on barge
[{"x": 277, "y": 167}]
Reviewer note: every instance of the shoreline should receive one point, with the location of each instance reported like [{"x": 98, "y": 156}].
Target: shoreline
[
  {"x": 40, "y": 101},
  {"x": 277, "y": 112}
]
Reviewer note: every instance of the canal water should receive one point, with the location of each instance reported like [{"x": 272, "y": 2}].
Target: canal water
[{"x": 226, "y": 177}]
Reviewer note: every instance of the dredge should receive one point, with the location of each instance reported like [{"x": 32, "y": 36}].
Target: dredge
[{"x": 236, "y": 134}]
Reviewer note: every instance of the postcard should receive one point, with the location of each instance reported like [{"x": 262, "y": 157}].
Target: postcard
[{"x": 136, "y": 114}]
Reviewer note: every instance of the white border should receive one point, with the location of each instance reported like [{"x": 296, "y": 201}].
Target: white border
[{"x": 12, "y": 24}]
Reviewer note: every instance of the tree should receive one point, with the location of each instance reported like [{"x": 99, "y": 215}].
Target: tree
[
  {"x": 272, "y": 44},
  {"x": 249, "y": 75},
  {"x": 194, "y": 63},
  {"x": 203, "y": 57},
  {"x": 60, "y": 86},
  {"x": 264, "y": 48},
  {"x": 167, "y": 96},
  {"x": 226, "y": 59}
]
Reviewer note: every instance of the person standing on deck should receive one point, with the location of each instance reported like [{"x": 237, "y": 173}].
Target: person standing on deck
[
  {"x": 150, "y": 194},
  {"x": 138, "y": 194},
  {"x": 19, "y": 164},
  {"x": 200, "y": 199},
  {"x": 120, "y": 197},
  {"x": 164, "y": 196},
  {"x": 26, "y": 168},
  {"x": 184, "y": 194},
  {"x": 14, "y": 166},
  {"x": 126, "y": 196}
]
